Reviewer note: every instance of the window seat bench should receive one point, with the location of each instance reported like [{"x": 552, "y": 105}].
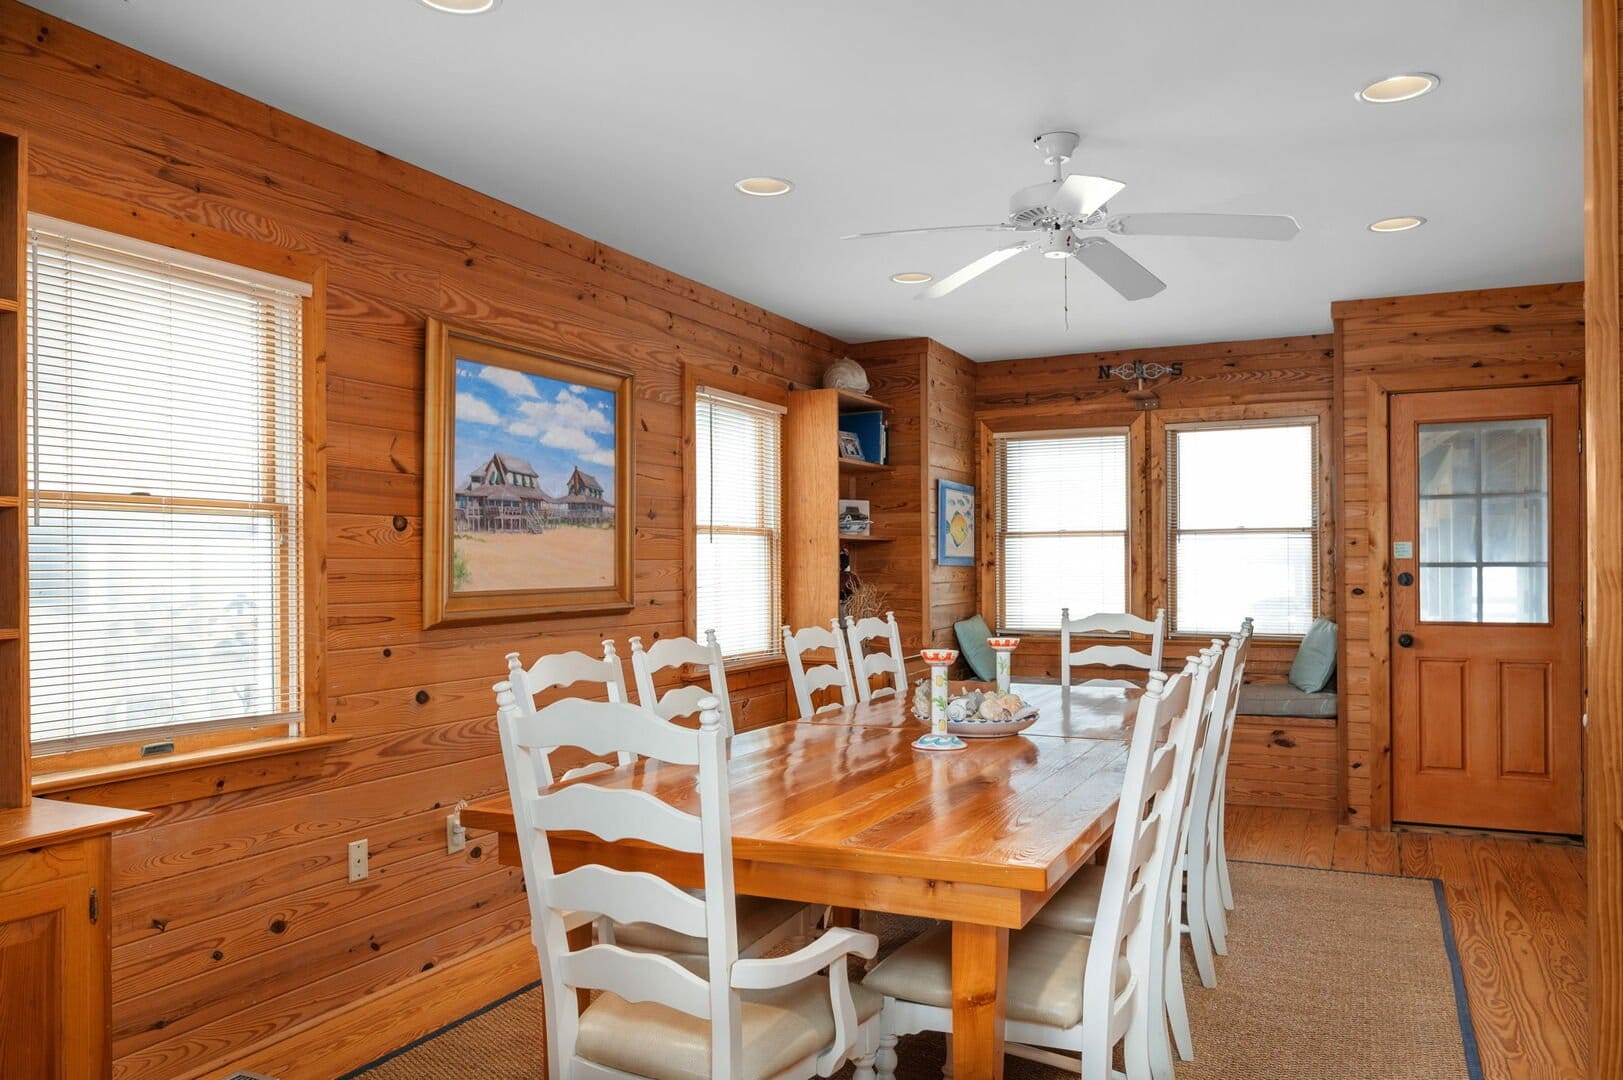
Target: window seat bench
[{"x": 1285, "y": 748}]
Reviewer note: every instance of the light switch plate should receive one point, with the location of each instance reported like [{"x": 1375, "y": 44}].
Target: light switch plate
[
  {"x": 456, "y": 837},
  {"x": 357, "y": 860}
]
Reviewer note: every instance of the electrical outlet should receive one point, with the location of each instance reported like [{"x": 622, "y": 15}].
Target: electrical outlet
[
  {"x": 456, "y": 837},
  {"x": 357, "y": 860}
]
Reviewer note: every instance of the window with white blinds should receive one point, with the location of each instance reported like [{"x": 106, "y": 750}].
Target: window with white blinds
[
  {"x": 1062, "y": 511},
  {"x": 1243, "y": 526},
  {"x": 738, "y": 522},
  {"x": 164, "y": 513}
]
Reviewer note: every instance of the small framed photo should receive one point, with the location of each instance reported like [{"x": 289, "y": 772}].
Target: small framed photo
[
  {"x": 854, "y": 520},
  {"x": 954, "y": 524},
  {"x": 849, "y": 446}
]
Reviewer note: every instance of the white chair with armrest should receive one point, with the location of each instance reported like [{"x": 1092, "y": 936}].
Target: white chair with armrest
[{"x": 715, "y": 1015}]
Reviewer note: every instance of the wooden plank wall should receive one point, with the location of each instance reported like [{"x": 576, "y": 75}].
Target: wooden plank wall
[
  {"x": 949, "y": 444},
  {"x": 1066, "y": 392},
  {"x": 1495, "y": 337},
  {"x": 1603, "y": 421},
  {"x": 233, "y": 919}
]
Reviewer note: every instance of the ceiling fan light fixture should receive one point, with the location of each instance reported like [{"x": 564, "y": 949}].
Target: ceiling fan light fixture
[
  {"x": 1397, "y": 224},
  {"x": 912, "y": 277},
  {"x": 462, "y": 7},
  {"x": 764, "y": 187},
  {"x": 1056, "y": 253},
  {"x": 1396, "y": 88}
]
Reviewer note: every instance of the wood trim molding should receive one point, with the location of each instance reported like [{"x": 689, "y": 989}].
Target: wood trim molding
[
  {"x": 1379, "y": 389},
  {"x": 1603, "y": 459},
  {"x": 183, "y": 777},
  {"x": 1374, "y": 307}
]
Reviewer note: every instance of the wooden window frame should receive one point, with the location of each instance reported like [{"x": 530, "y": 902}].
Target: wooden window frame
[
  {"x": 1138, "y": 521},
  {"x": 213, "y": 762},
  {"x": 1161, "y": 421},
  {"x": 694, "y": 377}
]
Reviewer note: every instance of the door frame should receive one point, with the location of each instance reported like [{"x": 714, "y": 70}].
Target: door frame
[{"x": 1380, "y": 389}]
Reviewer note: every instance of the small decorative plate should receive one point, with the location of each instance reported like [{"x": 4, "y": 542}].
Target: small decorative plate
[{"x": 977, "y": 728}]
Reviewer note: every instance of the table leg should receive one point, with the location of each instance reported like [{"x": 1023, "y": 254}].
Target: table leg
[
  {"x": 980, "y": 976},
  {"x": 842, "y": 916}
]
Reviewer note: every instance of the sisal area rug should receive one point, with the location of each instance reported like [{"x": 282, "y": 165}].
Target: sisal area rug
[{"x": 1330, "y": 976}]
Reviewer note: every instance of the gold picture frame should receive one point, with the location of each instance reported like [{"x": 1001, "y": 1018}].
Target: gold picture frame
[{"x": 526, "y": 511}]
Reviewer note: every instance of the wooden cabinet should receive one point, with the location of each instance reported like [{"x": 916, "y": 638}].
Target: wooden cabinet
[{"x": 55, "y": 976}]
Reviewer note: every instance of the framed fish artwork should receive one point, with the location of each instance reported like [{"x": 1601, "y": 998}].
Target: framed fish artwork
[{"x": 954, "y": 524}]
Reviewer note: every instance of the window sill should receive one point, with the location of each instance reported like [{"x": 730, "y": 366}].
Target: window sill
[{"x": 197, "y": 774}]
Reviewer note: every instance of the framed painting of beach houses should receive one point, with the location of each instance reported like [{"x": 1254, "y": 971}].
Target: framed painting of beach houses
[{"x": 526, "y": 482}]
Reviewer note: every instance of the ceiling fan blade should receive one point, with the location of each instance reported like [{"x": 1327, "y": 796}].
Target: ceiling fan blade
[
  {"x": 1000, "y": 227},
  {"x": 1119, "y": 270},
  {"x": 1225, "y": 226},
  {"x": 965, "y": 275},
  {"x": 1081, "y": 195}
]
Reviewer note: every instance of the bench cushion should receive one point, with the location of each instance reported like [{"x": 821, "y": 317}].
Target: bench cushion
[
  {"x": 972, "y": 634},
  {"x": 1283, "y": 699},
  {"x": 1315, "y": 663}
]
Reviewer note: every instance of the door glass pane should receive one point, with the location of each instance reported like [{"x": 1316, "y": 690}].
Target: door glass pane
[
  {"x": 1484, "y": 522},
  {"x": 1513, "y": 528},
  {"x": 1514, "y": 594},
  {"x": 1448, "y": 530},
  {"x": 1513, "y": 457},
  {"x": 1448, "y": 459},
  {"x": 1448, "y": 594}
]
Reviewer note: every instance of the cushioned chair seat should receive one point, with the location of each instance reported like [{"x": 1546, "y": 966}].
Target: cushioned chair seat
[
  {"x": 1075, "y": 906},
  {"x": 1283, "y": 699},
  {"x": 1045, "y": 974},
  {"x": 757, "y": 917},
  {"x": 779, "y": 1027}
]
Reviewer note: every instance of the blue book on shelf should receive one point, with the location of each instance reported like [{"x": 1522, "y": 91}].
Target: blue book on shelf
[{"x": 869, "y": 428}]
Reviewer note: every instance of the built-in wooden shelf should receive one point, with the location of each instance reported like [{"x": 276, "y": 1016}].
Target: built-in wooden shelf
[
  {"x": 10, "y": 500},
  {"x": 857, "y": 465},
  {"x": 8, "y": 303},
  {"x": 846, "y": 538},
  {"x": 851, "y": 401},
  {"x": 9, "y": 633}
]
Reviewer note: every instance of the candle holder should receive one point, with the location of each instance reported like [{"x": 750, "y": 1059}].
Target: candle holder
[
  {"x": 1004, "y": 647},
  {"x": 939, "y": 738}
]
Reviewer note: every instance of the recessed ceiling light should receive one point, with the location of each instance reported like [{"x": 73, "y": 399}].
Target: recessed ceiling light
[
  {"x": 462, "y": 7},
  {"x": 1397, "y": 224},
  {"x": 764, "y": 186},
  {"x": 911, "y": 277},
  {"x": 1396, "y": 88}
]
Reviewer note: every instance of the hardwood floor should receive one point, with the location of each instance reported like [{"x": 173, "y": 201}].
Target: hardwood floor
[{"x": 1518, "y": 909}]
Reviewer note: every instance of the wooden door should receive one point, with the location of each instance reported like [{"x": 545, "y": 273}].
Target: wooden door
[{"x": 1486, "y": 587}]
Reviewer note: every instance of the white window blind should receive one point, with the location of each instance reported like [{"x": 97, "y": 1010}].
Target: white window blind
[
  {"x": 1243, "y": 526},
  {"x": 737, "y": 517},
  {"x": 165, "y": 476},
  {"x": 1061, "y": 526}
]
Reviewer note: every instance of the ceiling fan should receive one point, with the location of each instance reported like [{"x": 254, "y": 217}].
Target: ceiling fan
[{"x": 1061, "y": 219}]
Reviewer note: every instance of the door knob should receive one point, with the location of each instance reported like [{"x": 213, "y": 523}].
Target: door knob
[
  {"x": 1406, "y": 640},
  {"x": 1406, "y": 578}
]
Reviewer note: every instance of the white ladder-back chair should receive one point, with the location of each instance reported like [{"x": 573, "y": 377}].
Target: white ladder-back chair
[
  {"x": 557, "y": 671},
  {"x": 713, "y": 1015},
  {"x": 1208, "y": 854},
  {"x": 810, "y": 681},
  {"x": 1167, "y": 936},
  {"x": 1110, "y": 655},
  {"x": 681, "y": 700},
  {"x": 762, "y": 923},
  {"x": 888, "y": 661},
  {"x": 1072, "y": 992}
]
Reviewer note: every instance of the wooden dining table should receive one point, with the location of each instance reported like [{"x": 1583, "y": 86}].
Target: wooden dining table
[{"x": 841, "y": 810}]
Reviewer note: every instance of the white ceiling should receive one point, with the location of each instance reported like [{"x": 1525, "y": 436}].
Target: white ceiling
[{"x": 629, "y": 120}]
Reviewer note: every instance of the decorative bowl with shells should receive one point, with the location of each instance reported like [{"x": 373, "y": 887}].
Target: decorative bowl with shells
[{"x": 978, "y": 714}]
